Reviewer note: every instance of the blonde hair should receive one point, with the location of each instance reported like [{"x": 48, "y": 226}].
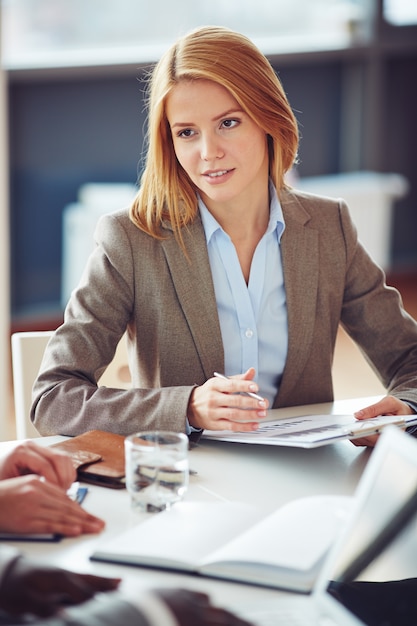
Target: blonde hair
[{"x": 233, "y": 61}]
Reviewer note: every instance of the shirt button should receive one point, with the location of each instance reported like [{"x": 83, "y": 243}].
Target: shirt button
[{"x": 249, "y": 333}]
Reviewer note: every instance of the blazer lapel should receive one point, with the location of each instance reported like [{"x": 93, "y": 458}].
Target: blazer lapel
[
  {"x": 194, "y": 286},
  {"x": 299, "y": 247}
]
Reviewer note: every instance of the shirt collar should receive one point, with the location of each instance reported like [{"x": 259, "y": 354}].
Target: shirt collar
[{"x": 276, "y": 217}]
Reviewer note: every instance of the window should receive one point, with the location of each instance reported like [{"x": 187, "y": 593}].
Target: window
[
  {"x": 56, "y": 33},
  {"x": 400, "y": 12}
]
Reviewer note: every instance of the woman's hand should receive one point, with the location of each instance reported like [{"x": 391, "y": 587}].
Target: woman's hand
[
  {"x": 223, "y": 404},
  {"x": 30, "y": 458},
  {"x": 30, "y": 504},
  {"x": 389, "y": 405}
]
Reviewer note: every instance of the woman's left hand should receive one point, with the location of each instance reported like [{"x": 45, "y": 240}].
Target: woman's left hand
[{"x": 387, "y": 406}]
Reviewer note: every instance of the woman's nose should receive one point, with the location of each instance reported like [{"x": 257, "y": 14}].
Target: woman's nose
[{"x": 210, "y": 148}]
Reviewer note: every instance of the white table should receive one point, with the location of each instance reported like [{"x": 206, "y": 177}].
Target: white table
[{"x": 266, "y": 476}]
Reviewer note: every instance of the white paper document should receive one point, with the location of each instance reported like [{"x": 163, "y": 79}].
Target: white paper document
[{"x": 311, "y": 431}]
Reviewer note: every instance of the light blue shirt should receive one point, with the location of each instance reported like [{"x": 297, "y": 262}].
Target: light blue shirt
[{"x": 253, "y": 317}]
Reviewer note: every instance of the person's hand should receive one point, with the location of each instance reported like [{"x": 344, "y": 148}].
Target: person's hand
[
  {"x": 191, "y": 608},
  {"x": 389, "y": 405},
  {"x": 30, "y": 458},
  {"x": 222, "y": 404},
  {"x": 32, "y": 588},
  {"x": 29, "y": 504}
]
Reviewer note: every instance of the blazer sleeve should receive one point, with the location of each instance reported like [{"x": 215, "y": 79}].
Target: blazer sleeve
[
  {"x": 373, "y": 315},
  {"x": 66, "y": 398}
]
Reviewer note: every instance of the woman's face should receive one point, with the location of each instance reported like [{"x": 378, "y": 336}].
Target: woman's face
[{"x": 223, "y": 151}]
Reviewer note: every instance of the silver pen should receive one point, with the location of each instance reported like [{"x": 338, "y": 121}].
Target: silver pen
[{"x": 249, "y": 393}]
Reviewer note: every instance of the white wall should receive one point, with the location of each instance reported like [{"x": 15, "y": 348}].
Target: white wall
[{"x": 4, "y": 264}]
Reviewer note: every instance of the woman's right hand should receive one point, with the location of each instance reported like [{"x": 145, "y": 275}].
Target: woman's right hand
[{"x": 223, "y": 404}]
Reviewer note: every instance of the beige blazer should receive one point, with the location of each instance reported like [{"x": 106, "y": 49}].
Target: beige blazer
[{"x": 167, "y": 304}]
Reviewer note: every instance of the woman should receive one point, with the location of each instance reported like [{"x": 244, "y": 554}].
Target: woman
[{"x": 220, "y": 266}]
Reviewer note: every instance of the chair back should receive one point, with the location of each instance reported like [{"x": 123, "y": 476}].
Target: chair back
[{"x": 27, "y": 353}]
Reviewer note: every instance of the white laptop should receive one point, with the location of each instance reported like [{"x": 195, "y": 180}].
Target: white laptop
[{"x": 370, "y": 574}]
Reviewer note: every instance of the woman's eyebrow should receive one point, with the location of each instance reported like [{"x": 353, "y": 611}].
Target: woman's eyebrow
[
  {"x": 214, "y": 119},
  {"x": 181, "y": 124},
  {"x": 227, "y": 113}
]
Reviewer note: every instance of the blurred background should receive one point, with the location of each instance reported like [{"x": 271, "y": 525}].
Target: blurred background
[{"x": 72, "y": 124}]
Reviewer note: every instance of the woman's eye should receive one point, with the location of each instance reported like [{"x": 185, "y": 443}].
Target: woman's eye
[
  {"x": 187, "y": 132},
  {"x": 230, "y": 123}
]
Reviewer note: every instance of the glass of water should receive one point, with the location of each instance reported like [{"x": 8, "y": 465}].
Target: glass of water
[{"x": 156, "y": 469}]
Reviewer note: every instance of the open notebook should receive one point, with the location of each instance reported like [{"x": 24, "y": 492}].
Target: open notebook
[
  {"x": 235, "y": 541},
  {"x": 370, "y": 575}
]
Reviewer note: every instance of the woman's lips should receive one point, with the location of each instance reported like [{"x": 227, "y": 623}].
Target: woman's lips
[{"x": 217, "y": 176}]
